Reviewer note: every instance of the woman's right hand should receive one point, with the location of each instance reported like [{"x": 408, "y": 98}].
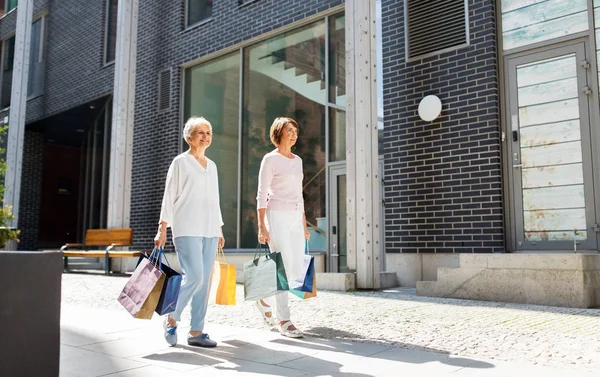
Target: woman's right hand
[
  {"x": 160, "y": 239},
  {"x": 263, "y": 235}
]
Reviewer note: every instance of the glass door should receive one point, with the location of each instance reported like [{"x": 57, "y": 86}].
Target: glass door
[
  {"x": 338, "y": 258},
  {"x": 550, "y": 154}
]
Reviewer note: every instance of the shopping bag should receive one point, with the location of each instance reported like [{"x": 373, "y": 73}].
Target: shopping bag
[
  {"x": 223, "y": 285},
  {"x": 306, "y": 285},
  {"x": 170, "y": 291},
  {"x": 264, "y": 276},
  {"x": 143, "y": 290}
]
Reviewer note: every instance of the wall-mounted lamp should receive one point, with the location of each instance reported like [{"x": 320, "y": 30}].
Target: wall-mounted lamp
[{"x": 430, "y": 108}]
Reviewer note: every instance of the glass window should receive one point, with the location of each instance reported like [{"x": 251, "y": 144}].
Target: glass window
[
  {"x": 8, "y": 57},
  {"x": 525, "y": 22},
  {"x": 284, "y": 76},
  {"x": 212, "y": 91},
  {"x": 110, "y": 38},
  {"x": 35, "y": 80},
  {"x": 198, "y": 10}
]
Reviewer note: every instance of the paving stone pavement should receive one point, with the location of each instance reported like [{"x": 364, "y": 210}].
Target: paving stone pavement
[{"x": 552, "y": 336}]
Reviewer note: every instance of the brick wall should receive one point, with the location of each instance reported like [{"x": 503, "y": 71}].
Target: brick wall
[
  {"x": 31, "y": 190},
  {"x": 162, "y": 44},
  {"x": 443, "y": 186}
]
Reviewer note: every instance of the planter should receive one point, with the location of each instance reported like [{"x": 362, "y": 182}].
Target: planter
[{"x": 30, "y": 313}]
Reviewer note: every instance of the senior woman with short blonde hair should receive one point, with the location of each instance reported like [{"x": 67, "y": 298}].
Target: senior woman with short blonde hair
[{"x": 191, "y": 208}]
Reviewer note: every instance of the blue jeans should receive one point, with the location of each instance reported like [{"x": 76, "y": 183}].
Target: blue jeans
[{"x": 197, "y": 257}]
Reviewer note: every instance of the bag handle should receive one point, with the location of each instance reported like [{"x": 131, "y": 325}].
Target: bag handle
[
  {"x": 157, "y": 256},
  {"x": 306, "y": 248},
  {"x": 259, "y": 248},
  {"x": 220, "y": 255}
]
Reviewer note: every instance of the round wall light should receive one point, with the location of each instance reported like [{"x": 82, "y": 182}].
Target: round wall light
[{"x": 430, "y": 108}]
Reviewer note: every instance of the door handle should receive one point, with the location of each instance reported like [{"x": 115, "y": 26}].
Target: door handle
[
  {"x": 334, "y": 254},
  {"x": 517, "y": 166}
]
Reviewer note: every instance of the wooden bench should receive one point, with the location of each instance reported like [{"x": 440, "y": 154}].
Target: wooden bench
[{"x": 108, "y": 238}]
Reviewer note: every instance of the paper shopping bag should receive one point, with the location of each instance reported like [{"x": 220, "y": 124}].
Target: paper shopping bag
[
  {"x": 226, "y": 285},
  {"x": 305, "y": 286},
  {"x": 264, "y": 276},
  {"x": 143, "y": 289}
]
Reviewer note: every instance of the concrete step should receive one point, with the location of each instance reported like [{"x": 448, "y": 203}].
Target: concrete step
[
  {"x": 426, "y": 288},
  {"x": 388, "y": 279}
]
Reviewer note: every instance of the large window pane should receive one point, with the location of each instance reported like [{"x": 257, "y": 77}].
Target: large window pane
[
  {"x": 284, "y": 76},
  {"x": 198, "y": 10},
  {"x": 212, "y": 91}
]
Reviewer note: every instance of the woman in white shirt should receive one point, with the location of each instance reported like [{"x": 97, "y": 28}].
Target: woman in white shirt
[
  {"x": 281, "y": 220},
  {"x": 191, "y": 208}
]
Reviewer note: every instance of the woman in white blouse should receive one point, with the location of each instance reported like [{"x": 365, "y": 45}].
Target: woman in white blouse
[
  {"x": 281, "y": 220},
  {"x": 191, "y": 208}
]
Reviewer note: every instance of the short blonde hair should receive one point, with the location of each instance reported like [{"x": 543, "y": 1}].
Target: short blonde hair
[
  {"x": 191, "y": 125},
  {"x": 277, "y": 128}
]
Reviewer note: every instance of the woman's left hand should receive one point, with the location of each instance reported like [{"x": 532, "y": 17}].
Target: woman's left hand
[
  {"x": 221, "y": 242},
  {"x": 306, "y": 234}
]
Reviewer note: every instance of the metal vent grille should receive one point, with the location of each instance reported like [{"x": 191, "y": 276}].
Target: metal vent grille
[
  {"x": 435, "y": 25},
  {"x": 164, "y": 90}
]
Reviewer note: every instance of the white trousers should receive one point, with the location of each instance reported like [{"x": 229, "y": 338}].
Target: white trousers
[{"x": 286, "y": 233}]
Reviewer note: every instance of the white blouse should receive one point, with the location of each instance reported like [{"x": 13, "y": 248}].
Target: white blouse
[{"x": 190, "y": 203}]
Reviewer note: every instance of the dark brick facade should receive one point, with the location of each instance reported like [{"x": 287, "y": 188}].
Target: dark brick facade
[
  {"x": 31, "y": 190},
  {"x": 443, "y": 188},
  {"x": 163, "y": 43}
]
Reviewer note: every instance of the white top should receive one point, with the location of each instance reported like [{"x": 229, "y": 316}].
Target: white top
[
  {"x": 190, "y": 203},
  {"x": 280, "y": 183}
]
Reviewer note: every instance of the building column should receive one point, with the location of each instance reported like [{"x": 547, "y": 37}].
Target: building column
[
  {"x": 18, "y": 103},
  {"x": 363, "y": 198},
  {"x": 121, "y": 144}
]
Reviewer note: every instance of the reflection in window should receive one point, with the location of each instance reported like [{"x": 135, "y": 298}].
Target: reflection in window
[
  {"x": 284, "y": 76},
  {"x": 35, "y": 82},
  {"x": 198, "y": 10},
  {"x": 212, "y": 91},
  {"x": 337, "y": 60},
  {"x": 527, "y": 22},
  {"x": 6, "y": 6}
]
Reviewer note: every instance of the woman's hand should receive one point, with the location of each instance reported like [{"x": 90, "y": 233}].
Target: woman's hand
[
  {"x": 160, "y": 239},
  {"x": 221, "y": 242},
  {"x": 263, "y": 235},
  {"x": 306, "y": 234}
]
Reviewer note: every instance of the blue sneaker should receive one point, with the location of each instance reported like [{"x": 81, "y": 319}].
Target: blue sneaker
[
  {"x": 202, "y": 340},
  {"x": 170, "y": 333}
]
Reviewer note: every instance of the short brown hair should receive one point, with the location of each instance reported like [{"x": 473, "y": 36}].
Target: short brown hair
[{"x": 277, "y": 128}]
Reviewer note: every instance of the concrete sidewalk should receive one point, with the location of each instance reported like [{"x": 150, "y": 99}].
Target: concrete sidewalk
[{"x": 100, "y": 342}]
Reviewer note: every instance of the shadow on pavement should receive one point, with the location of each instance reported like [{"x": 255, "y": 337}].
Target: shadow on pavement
[
  {"x": 253, "y": 358},
  {"x": 425, "y": 354}
]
